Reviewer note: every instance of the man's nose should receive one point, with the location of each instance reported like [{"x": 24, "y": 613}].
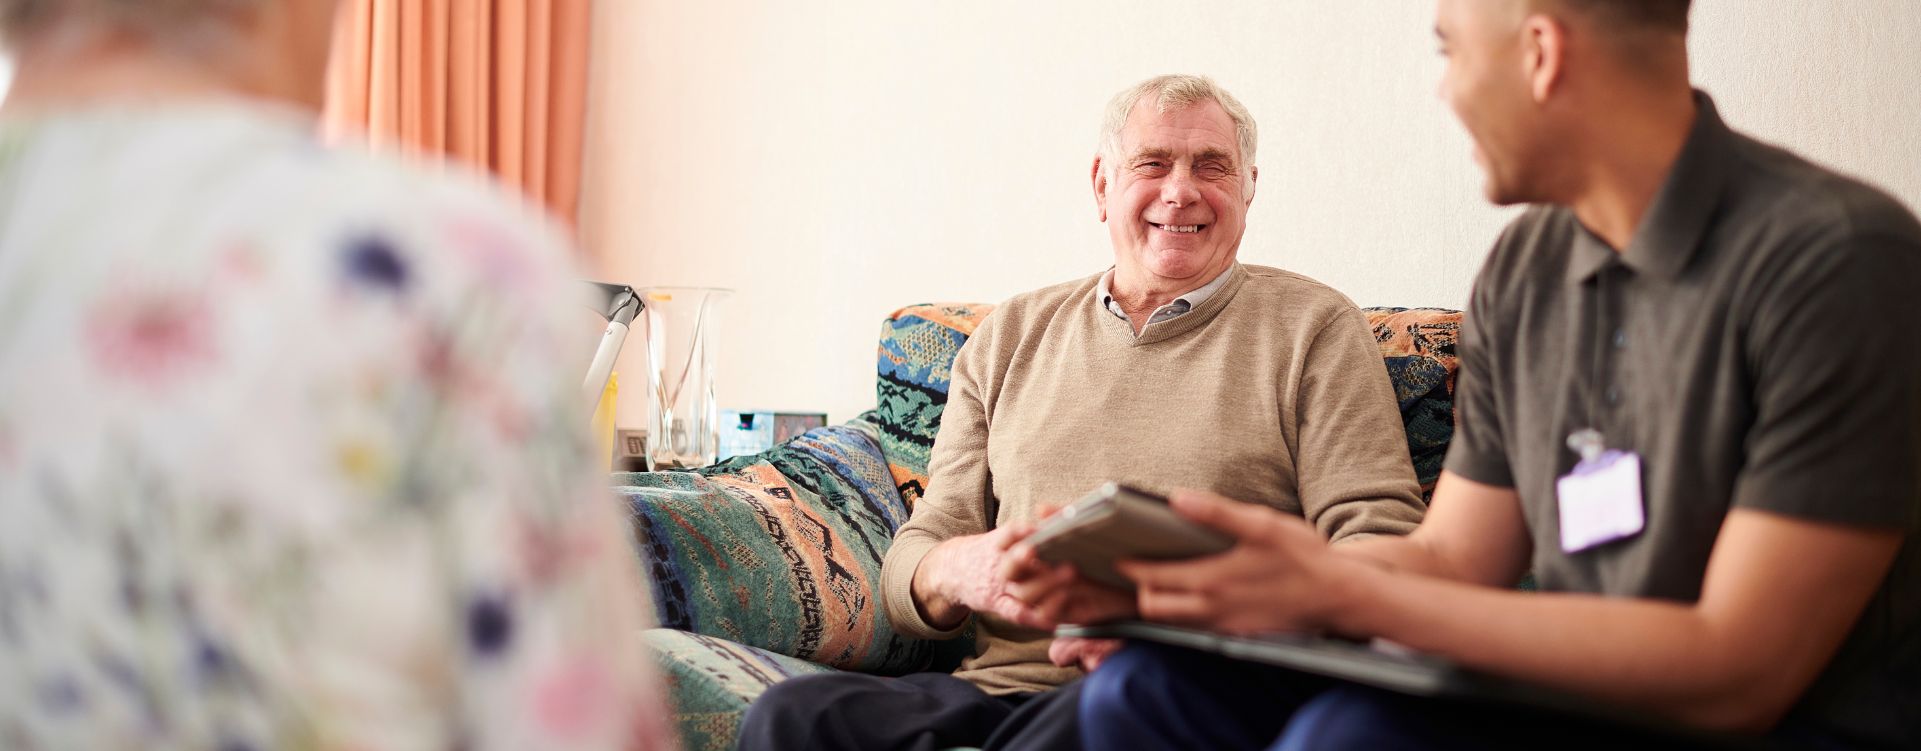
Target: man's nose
[{"x": 1179, "y": 188}]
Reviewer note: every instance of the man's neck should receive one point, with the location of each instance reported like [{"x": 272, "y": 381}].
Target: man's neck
[
  {"x": 1139, "y": 296},
  {"x": 1147, "y": 292},
  {"x": 1630, "y": 157}
]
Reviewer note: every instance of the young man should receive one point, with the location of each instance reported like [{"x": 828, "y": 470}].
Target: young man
[{"x": 1683, "y": 403}]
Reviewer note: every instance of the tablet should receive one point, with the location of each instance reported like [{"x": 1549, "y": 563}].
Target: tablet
[{"x": 1116, "y": 522}]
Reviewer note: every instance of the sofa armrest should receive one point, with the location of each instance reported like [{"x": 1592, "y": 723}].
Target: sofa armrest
[
  {"x": 779, "y": 550},
  {"x": 712, "y": 681}
]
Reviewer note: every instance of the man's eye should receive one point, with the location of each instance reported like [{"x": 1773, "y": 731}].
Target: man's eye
[{"x": 1212, "y": 171}]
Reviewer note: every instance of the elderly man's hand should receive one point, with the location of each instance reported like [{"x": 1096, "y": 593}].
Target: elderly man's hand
[
  {"x": 1279, "y": 576},
  {"x": 988, "y": 573},
  {"x": 962, "y": 575}
]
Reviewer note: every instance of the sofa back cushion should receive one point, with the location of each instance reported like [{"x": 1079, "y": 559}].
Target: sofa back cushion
[
  {"x": 1418, "y": 345},
  {"x": 917, "y": 348},
  {"x": 918, "y": 344}
]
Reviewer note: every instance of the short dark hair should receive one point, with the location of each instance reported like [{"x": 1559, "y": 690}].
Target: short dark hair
[{"x": 1638, "y": 15}]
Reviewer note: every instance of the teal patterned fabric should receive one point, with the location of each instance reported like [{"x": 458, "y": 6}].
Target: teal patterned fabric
[
  {"x": 917, "y": 348},
  {"x": 780, "y": 550},
  {"x": 713, "y": 680}
]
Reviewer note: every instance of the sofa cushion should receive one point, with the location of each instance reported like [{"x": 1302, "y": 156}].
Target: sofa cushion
[
  {"x": 779, "y": 550},
  {"x": 918, "y": 344},
  {"x": 1418, "y": 345},
  {"x": 917, "y": 348},
  {"x": 713, "y": 680}
]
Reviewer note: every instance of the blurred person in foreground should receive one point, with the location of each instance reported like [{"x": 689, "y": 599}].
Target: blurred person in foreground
[{"x": 291, "y": 451}]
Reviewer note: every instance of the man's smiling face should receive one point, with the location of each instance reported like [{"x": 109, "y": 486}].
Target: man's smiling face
[{"x": 1175, "y": 197}]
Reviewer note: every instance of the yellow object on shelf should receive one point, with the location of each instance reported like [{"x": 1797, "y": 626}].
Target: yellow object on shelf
[{"x": 603, "y": 424}]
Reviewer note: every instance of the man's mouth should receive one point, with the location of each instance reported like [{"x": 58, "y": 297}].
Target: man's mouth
[{"x": 1179, "y": 229}]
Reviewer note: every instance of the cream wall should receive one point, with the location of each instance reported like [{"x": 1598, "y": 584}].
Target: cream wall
[{"x": 832, "y": 161}]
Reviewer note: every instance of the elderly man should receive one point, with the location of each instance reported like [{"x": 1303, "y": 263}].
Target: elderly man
[
  {"x": 1178, "y": 367},
  {"x": 1685, "y": 401}
]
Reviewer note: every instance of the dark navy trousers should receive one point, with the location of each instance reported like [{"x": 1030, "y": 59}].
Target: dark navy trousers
[
  {"x": 919, "y": 712},
  {"x": 1153, "y": 696}
]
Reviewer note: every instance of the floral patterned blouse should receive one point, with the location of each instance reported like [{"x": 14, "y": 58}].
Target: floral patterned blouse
[{"x": 292, "y": 453}]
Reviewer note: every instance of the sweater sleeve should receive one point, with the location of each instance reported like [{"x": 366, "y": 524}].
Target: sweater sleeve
[
  {"x": 1354, "y": 474},
  {"x": 959, "y": 498}
]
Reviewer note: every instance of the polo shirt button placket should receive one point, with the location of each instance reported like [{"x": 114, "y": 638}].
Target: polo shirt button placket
[{"x": 1613, "y": 393}]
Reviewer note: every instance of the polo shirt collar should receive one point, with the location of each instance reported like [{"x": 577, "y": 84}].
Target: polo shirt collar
[{"x": 1670, "y": 235}]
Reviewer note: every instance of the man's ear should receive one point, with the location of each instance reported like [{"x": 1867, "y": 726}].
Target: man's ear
[
  {"x": 1099, "y": 177},
  {"x": 1544, "y": 54},
  {"x": 1253, "y": 179}
]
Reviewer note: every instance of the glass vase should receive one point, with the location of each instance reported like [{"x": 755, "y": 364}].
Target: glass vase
[{"x": 683, "y": 418}]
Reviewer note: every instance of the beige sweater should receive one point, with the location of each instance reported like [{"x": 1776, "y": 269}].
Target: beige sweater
[{"x": 1270, "y": 391}]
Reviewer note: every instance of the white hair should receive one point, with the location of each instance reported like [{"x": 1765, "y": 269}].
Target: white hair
[{"x": 1174, "y": 92}]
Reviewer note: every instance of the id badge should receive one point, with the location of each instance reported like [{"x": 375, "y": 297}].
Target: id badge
[{"x": 1601, "y": 501}]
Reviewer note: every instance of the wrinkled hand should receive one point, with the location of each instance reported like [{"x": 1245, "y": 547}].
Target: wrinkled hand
[
  {"x": 991, "y": 574},
  {"x": 1279, "y": 576},
  {"x": 963, "y": 574},
  {"x": 1069, "y": 651}
]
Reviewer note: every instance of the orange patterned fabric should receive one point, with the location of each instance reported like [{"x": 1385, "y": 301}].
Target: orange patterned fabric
[{"x": 1418, "y": 345}]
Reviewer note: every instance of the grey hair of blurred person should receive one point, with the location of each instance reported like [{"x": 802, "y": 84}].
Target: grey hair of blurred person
[
  {"x": 1170, "y": 93},
  {"x": 70, "y": 51},
  {"x": 193, "y": 27}
]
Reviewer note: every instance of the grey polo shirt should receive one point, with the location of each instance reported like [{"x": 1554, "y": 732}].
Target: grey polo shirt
[{"x": 1753, "y": 343}]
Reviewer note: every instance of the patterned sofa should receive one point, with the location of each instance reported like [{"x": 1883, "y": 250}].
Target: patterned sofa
[{"x": 766, "y": 566}]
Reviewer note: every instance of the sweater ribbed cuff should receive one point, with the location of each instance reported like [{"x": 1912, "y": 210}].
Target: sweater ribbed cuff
[{"x": 903, "y": 559}]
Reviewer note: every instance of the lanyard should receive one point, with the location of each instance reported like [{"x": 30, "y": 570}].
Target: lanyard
[{"x": 1588, "y": 442}]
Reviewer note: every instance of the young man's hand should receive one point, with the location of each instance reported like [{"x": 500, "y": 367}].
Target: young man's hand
[{"x": 1056, "y": 593}]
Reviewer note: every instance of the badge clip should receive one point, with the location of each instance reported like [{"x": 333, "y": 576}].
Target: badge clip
[{"x": 1588, "y": 443}]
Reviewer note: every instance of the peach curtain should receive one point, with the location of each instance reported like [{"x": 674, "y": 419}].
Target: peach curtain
[{"x": 500, "y": 84}]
